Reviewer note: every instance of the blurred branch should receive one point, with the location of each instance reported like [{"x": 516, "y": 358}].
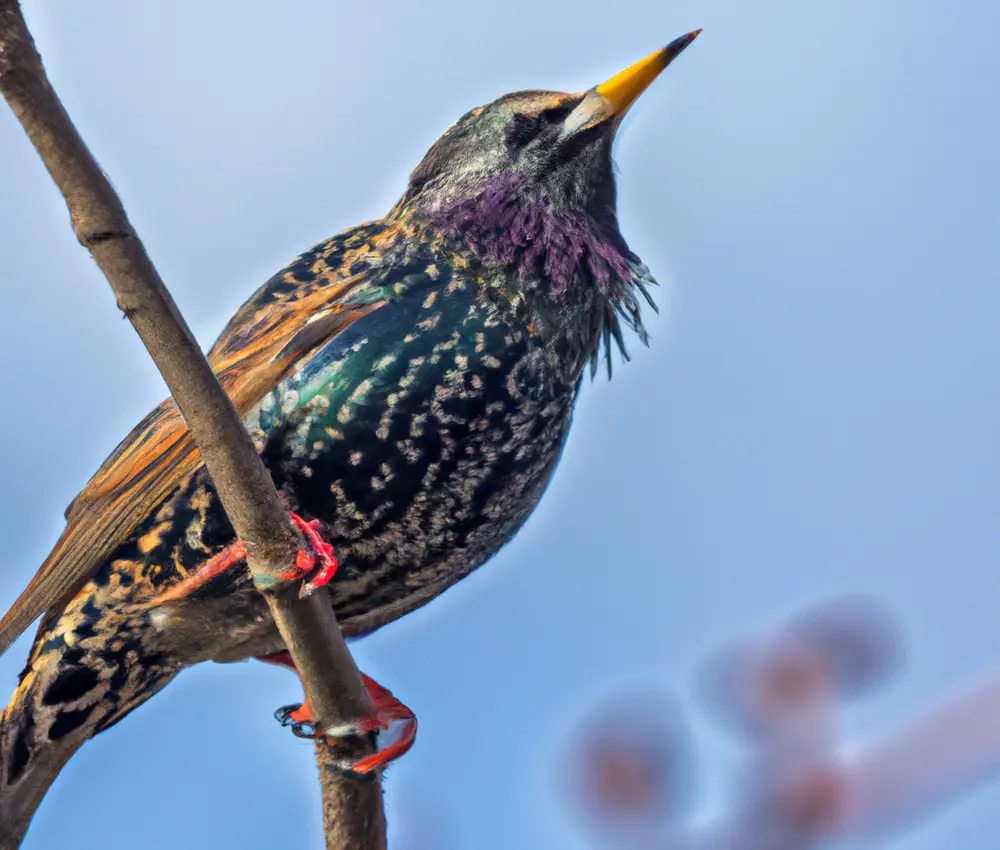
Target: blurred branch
[
  {"x": 934, "y": 757},
  {"x": 332, "y": 682},
  {"x": 782, "y": 696}
]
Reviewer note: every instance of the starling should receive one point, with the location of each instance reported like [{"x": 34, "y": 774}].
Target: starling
[{"x": 409, "y": 384}]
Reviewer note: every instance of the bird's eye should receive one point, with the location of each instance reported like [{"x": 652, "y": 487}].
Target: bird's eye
[
  {"x": 557, "y": 114},
  {"x": 522, "y": 129}
]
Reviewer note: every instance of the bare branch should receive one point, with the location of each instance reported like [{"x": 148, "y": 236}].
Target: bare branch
[
  {"x": 353, "y": 815},
  {"x": 332, "y": 682}
]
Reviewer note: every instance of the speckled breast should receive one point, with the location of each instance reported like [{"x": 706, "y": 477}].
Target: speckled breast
[{"x": 423, "y": 437}]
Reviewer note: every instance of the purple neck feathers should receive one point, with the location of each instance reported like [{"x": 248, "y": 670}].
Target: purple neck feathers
[{"x": 563, "y": 248}]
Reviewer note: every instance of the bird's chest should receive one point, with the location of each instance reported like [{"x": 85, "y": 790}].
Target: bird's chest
[{"x": 421, "y": 452}]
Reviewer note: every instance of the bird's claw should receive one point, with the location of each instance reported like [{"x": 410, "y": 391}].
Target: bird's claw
[
  {"x": 297, "y": 717},
  {"x": 388, "y": 712},
  {"x": 318, "y": 562}
]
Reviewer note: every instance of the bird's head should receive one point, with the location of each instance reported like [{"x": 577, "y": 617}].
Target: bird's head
[
  {"x": 526, "y": 182},
  {"x": 540, "y": 144}
]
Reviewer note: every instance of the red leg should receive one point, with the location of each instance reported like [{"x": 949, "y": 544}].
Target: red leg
[
  {"x": 228, "y": 558},
  {"x": 388, "y": 711},
  {"x": 318, "y": 562}
]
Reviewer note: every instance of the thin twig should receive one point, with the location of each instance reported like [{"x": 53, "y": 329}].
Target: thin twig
[{"x": 332, "y": 682}]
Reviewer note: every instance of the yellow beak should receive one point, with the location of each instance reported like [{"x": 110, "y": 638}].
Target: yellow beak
[{"x": 622, "y": 90}]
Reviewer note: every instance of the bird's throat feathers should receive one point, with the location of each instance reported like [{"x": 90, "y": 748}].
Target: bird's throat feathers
[
  {"x": 563, "y": 247},
  {"x": 574, "y": 259}
]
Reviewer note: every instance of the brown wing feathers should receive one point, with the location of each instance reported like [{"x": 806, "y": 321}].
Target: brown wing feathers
[{"x": 260, "y": 347}]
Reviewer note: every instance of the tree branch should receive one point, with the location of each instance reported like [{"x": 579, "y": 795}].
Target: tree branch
[{"x": 332, "y": 682}]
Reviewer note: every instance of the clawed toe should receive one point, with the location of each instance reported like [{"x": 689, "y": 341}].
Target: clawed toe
[
  {"x": 389, "y": 715},
  {"x": 318, "y": 562},
  {"x": 296, "y": 717}
]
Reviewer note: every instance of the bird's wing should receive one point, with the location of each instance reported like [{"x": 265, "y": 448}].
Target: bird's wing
[{"x": 316, "y": 297}]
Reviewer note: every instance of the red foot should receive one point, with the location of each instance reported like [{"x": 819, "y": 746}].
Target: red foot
[
  {"x": 318, "y": 561},
  {"x": 306, "y": 561},
  {"x": 388, "y": 711}
]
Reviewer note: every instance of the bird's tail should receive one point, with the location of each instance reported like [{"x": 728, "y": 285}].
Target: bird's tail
[
  {"x": 63, "y": 699},
  {"x": 29, "y": 760}
]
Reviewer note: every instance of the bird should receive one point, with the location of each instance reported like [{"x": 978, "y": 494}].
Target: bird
[{"x": 408, "y": 383}]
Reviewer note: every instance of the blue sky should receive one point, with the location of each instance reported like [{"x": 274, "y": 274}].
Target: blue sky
[{"x": 816, "y": 187}]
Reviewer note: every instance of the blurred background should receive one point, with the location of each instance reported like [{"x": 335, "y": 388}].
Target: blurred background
[{"x": 792, "y": 492}]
